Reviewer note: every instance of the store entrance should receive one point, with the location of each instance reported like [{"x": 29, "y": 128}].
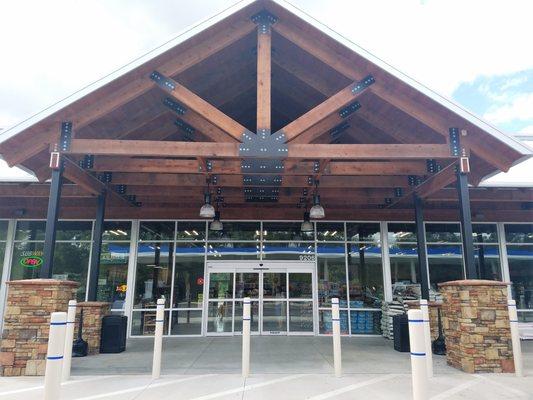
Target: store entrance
[{"x": 282, "y": 297}]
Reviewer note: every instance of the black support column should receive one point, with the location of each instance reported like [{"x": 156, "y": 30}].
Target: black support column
[
  {"x": 52, "y": 215},
  {"x": 466, "y": 221},
  {"x": 94, "y": 267},
  {"x": 421, "y": 247}
]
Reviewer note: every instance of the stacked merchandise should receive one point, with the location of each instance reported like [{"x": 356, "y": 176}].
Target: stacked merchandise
[
  {"x": 365, "y": 322},
  {"x": 389, "y": 310},
  {"x": 327, "y": 326}
]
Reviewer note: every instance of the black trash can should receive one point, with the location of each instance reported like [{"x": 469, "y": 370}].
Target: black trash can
[
  {"x": 113, "y": 336},
  {"x": 400, "y": 328}
]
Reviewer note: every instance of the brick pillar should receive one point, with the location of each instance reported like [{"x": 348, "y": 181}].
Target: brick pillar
[
  {"x": 433, "y": 315},
  {"x": 26, "y": 323},
  {"x": 476, "y": 326},
  {"x": 93, "y": 312}
]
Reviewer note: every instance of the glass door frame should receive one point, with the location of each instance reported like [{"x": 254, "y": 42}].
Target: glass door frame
[{"x": 261, "y": 267}]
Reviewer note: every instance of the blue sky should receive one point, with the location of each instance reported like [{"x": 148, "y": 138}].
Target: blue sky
[
  {"x": 504, "y": 100},
  {"x": 476, "y": 52}
]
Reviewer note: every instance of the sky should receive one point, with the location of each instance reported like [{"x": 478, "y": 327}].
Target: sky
[{"x": 477, "y": 53}]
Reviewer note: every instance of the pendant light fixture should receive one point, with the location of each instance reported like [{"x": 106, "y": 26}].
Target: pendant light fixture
[
  {"x": 317, "y": 211},
  {"x": 307, "y": 226},
  {"x": 216, "y": 225},
  {"x": 207, "y": 210}
]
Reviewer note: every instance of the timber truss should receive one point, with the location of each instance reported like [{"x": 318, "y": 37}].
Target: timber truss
[{"x": 263, "y": 105}]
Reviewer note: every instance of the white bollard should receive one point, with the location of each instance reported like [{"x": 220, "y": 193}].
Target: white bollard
[
  {"x": 158, "y": 338},
  {"x": 418, "y": 355},
  {"x": 69, "y": 337},
  {"x": 515, "y": 337},
  {"x": 336, "y": 323},
  {"x": 54, "y": 356},
  {"x": 246, "y": 315},
  {"x": 427, "y": 336}
]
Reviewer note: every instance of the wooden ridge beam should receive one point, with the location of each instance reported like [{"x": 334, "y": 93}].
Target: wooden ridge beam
[
  {"x": 264, "y": 76},
  {"x": 42, "y": 138},
  {"x": 148, "y": 148}
]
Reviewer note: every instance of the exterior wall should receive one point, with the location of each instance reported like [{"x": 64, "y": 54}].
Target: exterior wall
[{"x": 389, "y": 258}]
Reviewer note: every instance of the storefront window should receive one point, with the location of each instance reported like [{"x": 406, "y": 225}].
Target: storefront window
[
  {"x": 363, "y": 232},
  {"x": 445, "y": 264},
  {"x": 519, "y": 238},
  {"x": 289, "y": 251},
  {"x": 191, "y": 230},
  {"x": 365, "y": 273},
  {"x": 281, "y": 231},
  {"x": 330, "y": 231},
  {"x": 189, "y": 276},
  {"x": 486, "y": 251},
  {"x": 113, "y": 274},
  {"x": 71, "y": 255},
  {"x": 156, "y": 230},
  {"x": 238, "y": 231},
  {"x": 403, "y": 256},
  {"x": 116, "y": 231},
  {"x": 233, "y": 251},
  {"x": 154, "y": 274},
  {"x": 3, "y": 237},
  {"x": 443, "y": 233},
  {"x": 331, "y": 274}
]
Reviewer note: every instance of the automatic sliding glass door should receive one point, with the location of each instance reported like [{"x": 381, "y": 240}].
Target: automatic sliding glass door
[{"x": 281, "y": 296}]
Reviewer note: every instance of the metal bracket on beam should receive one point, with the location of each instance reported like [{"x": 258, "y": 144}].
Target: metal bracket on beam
[
  {"x": 398, "y": 192},
  {"x": 209, "y": 165},
  {"x": 262, "y": 166},
  {"x": 414, "y": 180},
  {"x": 174, "y": 106},
  {"x": 188, "y": 130},
  {"x": 455, "y": 142},
  {"x": 105, "y": 177},
  {"x": 263, "y": 144},
  {"x": 219, "y": 191},
  {"x": 214, "y": 179},
  {"x": 363, "y": 84},
  {"x": 262, "y": 180},
  {"x": 262, "y": 195},
  {"x": 337, "y": 131},
  {"x": 87, "y": 162},
  {"x": 388, "y": 201},
  {"x": 305, "y": 192},
  {"x": 121, "y": 189},
  {"x": 316, "y": 167},
  {"x": 162, "y": 81},
  {"x": 349, "y": 109},
  {"x": 264, "y": 20},
  {"x": 66, "y": 136}
]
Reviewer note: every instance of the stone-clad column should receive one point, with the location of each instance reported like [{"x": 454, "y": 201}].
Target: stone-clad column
[
  {"x": 27, "y": 323},
  {"x": 476, "y": 326},
  {"x": 93, "y": 312}
]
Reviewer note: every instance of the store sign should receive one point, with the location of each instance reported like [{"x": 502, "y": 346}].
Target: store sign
[
  {"x": 121, "y": 288},
  {"x": 31, "y": 259}
]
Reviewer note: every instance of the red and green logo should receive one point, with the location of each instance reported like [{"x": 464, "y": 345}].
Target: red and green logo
[{"x": 31, "y": 261}]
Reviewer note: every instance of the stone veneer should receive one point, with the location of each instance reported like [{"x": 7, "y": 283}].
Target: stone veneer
[
  {"x": 433, "y": 315},
  {"x": 27, "y": 322},
  {"x": 93, "y": 312},
  {"x": 476, "y": 326}
]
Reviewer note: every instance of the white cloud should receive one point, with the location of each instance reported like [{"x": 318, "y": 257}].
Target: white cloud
[
  {"x": 527, "y": 130},
  {"x": 519, "y": 108}
]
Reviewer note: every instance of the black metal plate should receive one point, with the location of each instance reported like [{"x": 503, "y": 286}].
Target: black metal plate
[{"x": 263, "y": 145}]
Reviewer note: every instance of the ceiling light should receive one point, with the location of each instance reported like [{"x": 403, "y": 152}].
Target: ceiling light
[
  {"x": 317, "y": 211},
  {"x": 307, "y": 226},
  {"x": 207, "y": 210},
  {"x": 216, "y": 225}
]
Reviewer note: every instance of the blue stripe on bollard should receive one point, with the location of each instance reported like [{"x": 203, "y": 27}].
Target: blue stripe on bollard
[
  {"x": 335, "y": 319},
  {"x": 416, "y": 320},
  {"x": 159, "y": 320},
  {"x": 58, "y": 323},
  {"x": 418, "y": 354},
  {"x": 246, "y": 319},
  {"x": 511, "y": 305},
  {"x": 72, "y": 305},
  {"x": 513, "y": 320},
  {"x": 54, "y": 357}
]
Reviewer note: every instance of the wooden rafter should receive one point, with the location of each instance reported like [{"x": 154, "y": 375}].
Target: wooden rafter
[
  {"x": 264, "y": 77},
  {"x": 412, "y": 108},
  {"x": 200, "y": 106},
  {"x": 126, "y": 93}
]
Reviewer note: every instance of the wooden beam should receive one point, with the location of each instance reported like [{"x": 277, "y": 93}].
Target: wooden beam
[
  {"x": 40, "y": 190},
  {"x": 321, "y": 112},
  {"x": 85, "y": 114},
  {"x": 148, "y": 148},
  {"x": 200, "y": 106},
  {"x": 264, "y": 77},
  {"x": 384, "y": 83}
]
